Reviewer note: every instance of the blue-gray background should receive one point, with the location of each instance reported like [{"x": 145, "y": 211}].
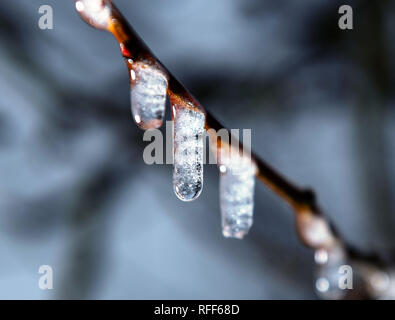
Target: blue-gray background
[{"x": 76, "y": 194}]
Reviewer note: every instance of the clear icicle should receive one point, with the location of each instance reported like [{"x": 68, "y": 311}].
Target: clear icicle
[
  {"x": 237, "y": 182},
  {"x": 148, "y": 87},
  {"x": 188, "y": 152}
]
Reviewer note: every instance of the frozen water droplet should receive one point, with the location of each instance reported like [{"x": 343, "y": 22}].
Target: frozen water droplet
[
  {"x": 95, "y": 12},
  {"x": 237, "y": 184},
  {"x": 148, "y": 87},
  {"x": 322, "y": 285},
  {"x": 188, "y": 152},
  {"x": 321, "y": 256}
]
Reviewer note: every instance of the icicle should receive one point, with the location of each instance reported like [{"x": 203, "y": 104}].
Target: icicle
[
  {"x": 95, "y": 12},
  {"x": 148, "y": 86},
  {"x": 188, "y": 152},
  {"x": 237, "y": 181}
]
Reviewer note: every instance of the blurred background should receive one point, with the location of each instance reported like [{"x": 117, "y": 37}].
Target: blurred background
[{"x": 74, "y": 190}]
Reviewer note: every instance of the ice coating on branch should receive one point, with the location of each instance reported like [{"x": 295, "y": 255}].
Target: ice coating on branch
[
  {"x": 95, "y": 12},
  {"x": 148, "y": 87},
  {"x": 188, "y": 152},
  {"x": 237, "y": 182}
]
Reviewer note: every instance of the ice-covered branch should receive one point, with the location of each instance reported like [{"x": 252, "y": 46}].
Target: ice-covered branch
[{"x": 150, "y": 82}]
